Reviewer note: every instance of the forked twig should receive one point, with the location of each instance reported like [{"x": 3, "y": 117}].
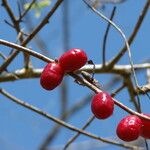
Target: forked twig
[{"x": 121, "y": 33}]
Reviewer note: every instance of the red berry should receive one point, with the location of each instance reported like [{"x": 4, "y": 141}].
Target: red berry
[
  {"x": 129, "y": 128},
  {"x": 51, "y": 76},
  {"x": 73, "y": 60},
  {"x": 146, "y": 128},
  {"x": 102, "y": 105}
]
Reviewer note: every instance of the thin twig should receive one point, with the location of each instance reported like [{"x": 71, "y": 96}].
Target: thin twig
[
  {"x": 8, "y": 23},
  {"x": 77, "y": 134},
  {"x": 27, "y": 10},
  {"x": 26, "y": 50},
  {"x": 147, "y": 95},
  {"x": 2, "y": 56},
  {"x": 106, "y": 35}
]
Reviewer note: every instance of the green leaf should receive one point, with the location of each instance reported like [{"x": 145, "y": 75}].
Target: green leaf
[
  {"x": 40, "y": 4},
  {"x": 37, "y": 6}
]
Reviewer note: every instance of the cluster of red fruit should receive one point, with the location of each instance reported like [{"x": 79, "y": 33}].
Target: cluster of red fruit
[
  {"x": 53, "y": 73},
  {"x": 102, "y": 105},
  {"x": 129, "y": 128}
]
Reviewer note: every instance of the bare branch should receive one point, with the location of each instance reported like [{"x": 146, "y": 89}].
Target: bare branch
[
  {"x": 68, "y": 126},
  {"x": 30, "y": 37},
  {"x": 26, "y": 50},
  {"x": 35, "y": 73},
  {"x": 122, "y": 35},
  {"x": 132, "y": 36}
]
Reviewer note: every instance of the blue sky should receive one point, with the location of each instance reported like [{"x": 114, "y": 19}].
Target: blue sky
[{"x": 22, "y": 129}]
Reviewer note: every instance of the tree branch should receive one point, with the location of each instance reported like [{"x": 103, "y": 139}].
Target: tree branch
[{"x": 68, "y": 126}]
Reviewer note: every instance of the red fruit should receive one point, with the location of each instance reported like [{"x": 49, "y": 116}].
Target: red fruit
[
  {"x": 51, "y": 76},
  {"x": 73, "y": 60},
  {"x": 146, "y": 128},
  {"x": 102, "y": 105},
  {"x": 129, "y": 128}
]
